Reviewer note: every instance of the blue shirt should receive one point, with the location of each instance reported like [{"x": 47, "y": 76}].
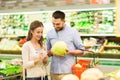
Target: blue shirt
[{"x": 63, "y": 65}]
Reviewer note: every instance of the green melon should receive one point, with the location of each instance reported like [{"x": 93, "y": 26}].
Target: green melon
[{"x": 59, "y": 48}]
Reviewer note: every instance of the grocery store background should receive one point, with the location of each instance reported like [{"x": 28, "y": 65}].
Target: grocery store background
[{"x": 97, "y": 21}]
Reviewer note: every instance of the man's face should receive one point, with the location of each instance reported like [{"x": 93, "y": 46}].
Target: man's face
[{"x": 58, "y": 24}]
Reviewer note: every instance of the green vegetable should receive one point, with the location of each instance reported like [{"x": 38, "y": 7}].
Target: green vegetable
[{"x": 59, "y": 48}]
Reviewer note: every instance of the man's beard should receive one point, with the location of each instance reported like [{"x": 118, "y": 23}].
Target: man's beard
[{"x": 59, "y": 29}]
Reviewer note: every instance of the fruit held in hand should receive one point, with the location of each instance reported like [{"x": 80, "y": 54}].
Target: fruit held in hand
[{"x": 59, "y": 48}]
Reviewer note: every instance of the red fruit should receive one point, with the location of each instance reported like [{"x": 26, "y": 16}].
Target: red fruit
[{"x": 22, "y": 41}]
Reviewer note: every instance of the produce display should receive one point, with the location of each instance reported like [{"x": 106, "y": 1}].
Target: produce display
[
  {"x": 92, "y": 74},
  {"x": 93, "y": 44},
  {"x": 89, "y": 41},
  {"x": 7, "y": 44},
  {"x": 113, "y": 51},
  {"x": 114, "y": 75},
  {"x": 22, "y": 41},
  {"x": 11, "y": 67},
  {"x": 14, "y": 24},
  {"x": 86, "y": 22},
  {"x": 113, "y": 43},
  {"x": 112, "y": 46},
  {"x": 93, "y": 21}
]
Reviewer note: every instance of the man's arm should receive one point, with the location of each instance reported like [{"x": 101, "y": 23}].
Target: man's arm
[
  {"x": 76, "y": 52},
  {"x": 78, "y": 45}
]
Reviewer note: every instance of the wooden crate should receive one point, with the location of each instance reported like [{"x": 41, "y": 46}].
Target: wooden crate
[{"x": 117, "y": 39}]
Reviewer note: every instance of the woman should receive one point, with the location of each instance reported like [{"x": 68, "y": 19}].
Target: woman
[{"x": 33, "y": 53}]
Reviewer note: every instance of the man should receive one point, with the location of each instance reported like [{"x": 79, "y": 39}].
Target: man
[{"x": 61, "y": 66}]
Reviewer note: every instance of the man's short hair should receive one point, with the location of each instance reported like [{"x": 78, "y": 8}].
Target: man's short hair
[{"x": 58, "y": 14}]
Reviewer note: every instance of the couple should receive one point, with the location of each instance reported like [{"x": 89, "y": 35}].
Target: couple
[{"x": 35, "y": 55}]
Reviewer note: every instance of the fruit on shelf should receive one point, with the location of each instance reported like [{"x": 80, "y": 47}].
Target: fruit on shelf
[
  {"x": 93, "y": 44},
  {"x": 22, "y": 41},
  {"x": 89, "y": 41},
  {"x": 17, "y": 47},
  {"x": 9, "y": 45},
  {"x": 114, "y": 75},
  {"x": 10, "y": 70},
  {"x": 113, "y": 43},
  {"x": 16, "y": 61},
  {"x": 114, "y": 51},
  {"x": 7, "y": 69}
]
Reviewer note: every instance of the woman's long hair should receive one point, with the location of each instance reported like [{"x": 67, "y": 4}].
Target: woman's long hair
[{"x": 33, "y": 26}]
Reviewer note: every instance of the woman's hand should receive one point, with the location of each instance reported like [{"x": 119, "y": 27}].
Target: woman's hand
[
  {"x": 45, "y": 60},
  {"x": 37, "y": 60},
  {"x": 45, "y": 57},
  {"x": 41, "y": 55}
]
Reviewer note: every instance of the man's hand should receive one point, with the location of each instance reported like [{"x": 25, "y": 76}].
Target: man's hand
[
  {"x": 70, "y": 51},
  {"x": 49, "y": 53},
  {"x": 61, "y": 55}
]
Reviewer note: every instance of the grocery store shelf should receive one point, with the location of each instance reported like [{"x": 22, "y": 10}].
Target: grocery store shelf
[
  {"x": 13, "y": 77},
  {"x": 102, "y": 59},
  {"x": 12, "y": 36},
  {"x": 10, "y": 56},
  {"x": 85, "y": 7},
  {"x": 97, "y": 34},
  {"x": 10, "y": 51},
  {"x": 108, "y": 69},
  {"x": 104, "y": 55},
  {"x": 15, "y": 36}
]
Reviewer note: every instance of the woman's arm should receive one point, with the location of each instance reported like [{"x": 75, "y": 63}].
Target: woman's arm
[{"x": 26, "y": 57}]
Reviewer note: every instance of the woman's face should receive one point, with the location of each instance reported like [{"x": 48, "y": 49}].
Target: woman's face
[{"x": 37, "y": 33}]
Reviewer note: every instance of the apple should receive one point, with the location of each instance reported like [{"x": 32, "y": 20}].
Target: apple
[{"x": 22, "y": 41}]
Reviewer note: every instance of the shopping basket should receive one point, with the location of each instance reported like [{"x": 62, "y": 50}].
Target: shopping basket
[
  {"x": 77, "y": 70},
  {"x": 83, "y": 65}
]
